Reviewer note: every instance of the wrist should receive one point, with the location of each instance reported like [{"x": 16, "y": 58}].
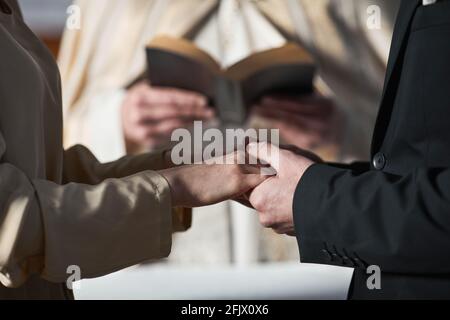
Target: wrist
[
  {"x": 172, "y": 175},
  {"x": 308, "y": 164},
  {"x": 167, "y": 156}
]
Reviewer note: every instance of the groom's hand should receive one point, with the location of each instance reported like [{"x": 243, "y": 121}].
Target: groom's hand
[{"x": 273, "y": 199}]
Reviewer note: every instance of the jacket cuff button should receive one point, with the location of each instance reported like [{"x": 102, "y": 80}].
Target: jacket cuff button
[{"x": 379, "y": 161}]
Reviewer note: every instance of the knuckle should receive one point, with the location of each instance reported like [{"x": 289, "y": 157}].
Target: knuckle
[
  {"x": 258, "y": 203},
  {"x": 136, "y": 116},
  {"x": 265, "y": 220},
  {"x": 144, "y": 133}
]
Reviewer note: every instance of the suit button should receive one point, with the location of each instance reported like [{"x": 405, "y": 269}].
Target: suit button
[{"x": 379, "y": 161}]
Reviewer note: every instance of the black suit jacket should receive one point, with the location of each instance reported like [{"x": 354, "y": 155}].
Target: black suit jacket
[{"x": 395, "y": 211}]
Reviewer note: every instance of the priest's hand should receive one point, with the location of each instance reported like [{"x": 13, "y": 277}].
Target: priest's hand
[
  {"x": 206, "y": 184},
  {"x": 150, "y": 114},
  {"x": 308, "y": 122},
  {"x": 273, "y": 199}
]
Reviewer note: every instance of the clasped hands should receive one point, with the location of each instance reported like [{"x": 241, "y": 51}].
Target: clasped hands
[
  {"x": 271, "y": 195},
  {"x": 150, "y": 114}
]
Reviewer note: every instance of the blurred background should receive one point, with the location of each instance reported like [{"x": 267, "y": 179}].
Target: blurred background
[
  {"x": 47, "y": 18},
  {"x": 226, "y": 254}
]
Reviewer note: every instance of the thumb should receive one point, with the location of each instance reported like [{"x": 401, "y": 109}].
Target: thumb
[{"x": 267, "y": 153}]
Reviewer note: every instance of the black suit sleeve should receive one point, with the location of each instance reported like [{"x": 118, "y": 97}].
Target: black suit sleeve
[
  {"x": 353, "y": 218},
  {"x": 356, "y": 166}
]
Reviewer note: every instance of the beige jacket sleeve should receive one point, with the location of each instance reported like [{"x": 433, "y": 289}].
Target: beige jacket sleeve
[
  {"x": 81, "y": 166},
  {"x": 101, "y": 225}
]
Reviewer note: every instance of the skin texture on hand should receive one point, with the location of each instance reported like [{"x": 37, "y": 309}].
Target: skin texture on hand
[
  {"x": 149, "y": 114},
  {"x": 200, "y": 185},
  {"x": 308, "y": 122},
  {"x": 273, "y": 199}
]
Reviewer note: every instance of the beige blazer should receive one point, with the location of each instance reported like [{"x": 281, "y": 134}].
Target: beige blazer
[{"x": 335, "y": 31}]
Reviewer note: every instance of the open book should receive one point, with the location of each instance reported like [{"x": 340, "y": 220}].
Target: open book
[{"x": 180, "y": 64}]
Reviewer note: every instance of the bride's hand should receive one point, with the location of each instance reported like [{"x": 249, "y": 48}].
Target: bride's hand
[{"x": 203, "y": 184}]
